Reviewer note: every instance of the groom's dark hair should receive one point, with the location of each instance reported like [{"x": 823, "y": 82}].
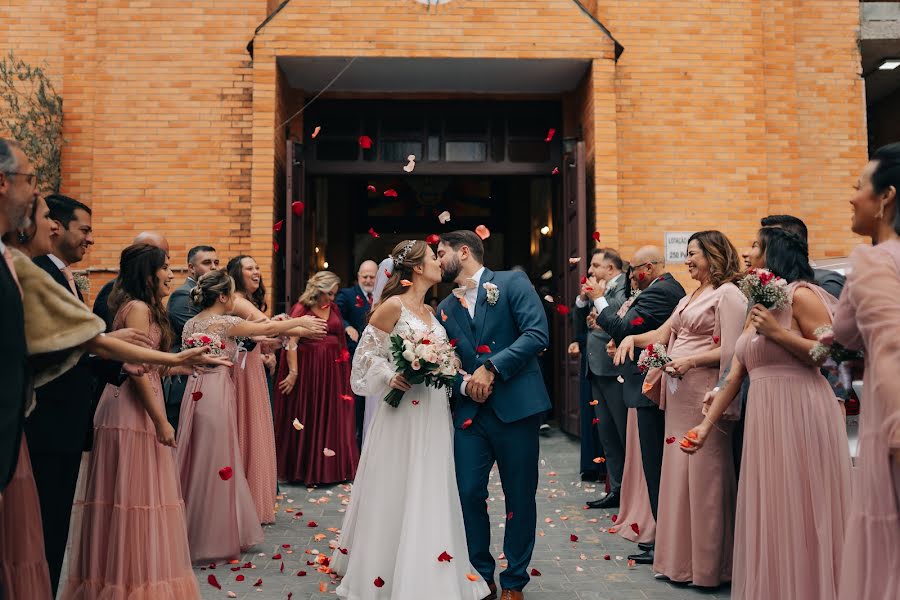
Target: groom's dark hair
[{"x": 458, "y": 239}]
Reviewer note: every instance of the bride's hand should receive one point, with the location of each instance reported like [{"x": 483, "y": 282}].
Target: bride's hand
[{"x": 398, "y": 382}]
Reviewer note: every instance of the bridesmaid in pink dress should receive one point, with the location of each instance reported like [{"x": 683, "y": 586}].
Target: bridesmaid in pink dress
[
  {"x": 695, "y": 520},
  {"x": 221, "y": 516},
  {"x": 325, "y": 451},
  {"x": 635, "y": 503},
  {"x": 794, "y": 492},
  {"x": 867, "y": 318}
]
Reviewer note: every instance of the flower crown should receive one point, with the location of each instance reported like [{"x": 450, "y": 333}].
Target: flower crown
[{"x": 401, "y": 256}]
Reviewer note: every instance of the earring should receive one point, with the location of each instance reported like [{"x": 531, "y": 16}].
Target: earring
[{"x": 22, "y": 237}]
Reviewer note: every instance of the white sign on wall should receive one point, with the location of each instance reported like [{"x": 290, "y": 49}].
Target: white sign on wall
[{"x": 676, "y": 246}]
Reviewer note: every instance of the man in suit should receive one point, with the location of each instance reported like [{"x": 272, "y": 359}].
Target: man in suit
[
  {"x": 200, "y": 261},
  {"x": 355, "y": 303},
  {"x": 658, "y": 296},
  {"x": 608, "y": 290},
  {"x": 499, "y": 323},
  {"x": 101, "y": 302}
]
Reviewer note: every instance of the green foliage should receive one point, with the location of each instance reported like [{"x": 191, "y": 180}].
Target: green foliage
[{"x": 31, "y": 113}]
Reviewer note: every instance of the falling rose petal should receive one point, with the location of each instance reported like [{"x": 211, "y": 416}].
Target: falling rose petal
[
  {"x": 550, "y": 133},
  {"x": 379, "y": 582},
  {"x": 373, "y": 233},
  {"x": 359, "y": 302},
  {"x": 594, "y": 421},
  {"x": 670, "y": 440},
  {"x": 620, "y": 379},
  {"x": 599, "y": 460},
  {"x": 549, "y": 298},
  {"x": 575, "y": 260},
  {"x": 276, "y": 246},
  {"x": 346, "y": 397},
  {"x": 466, "y": 424},
  {"x": 614, "y": 518},
  {"x": 535, "y": 573},
  {"x": 328, "y": 452},
  {"x": 298, "y": 425},
  {"x": 387, "y": 273},
  {"x": 211, "y": 580},
  {"x": 297, "y": 208},
  {"x": 471, "y": 577},
  {"x": 562, "y": 309},
  {"x": 433, "y": 239},
  {"x": 596, "y": 236},
  {"x": 573, "y": 538},
  {"x": 316, "y": 131},
  {"x": 390, "y": 193},
  {"x": 715, "y": 339},
  {"x": 365, "y": 142},
  {"x": 509, "y": 517},
  {"x": 371, "y": 188},
  {"x": 483, "y": 232},
  {"x": 443, "y": 316},
  {"x": 278, "y": 226},
  {"x": 405, "y": 282},
  {"x": 444, "y": 557},
  {"x": 444, "y": 217},
  {"x": 453, "y": 342},
  {"x": 691, "y": 435},
  {"x": 594, "y": 402},
  {"x": 483, "y": 349},
  {"x": 555, "y": 171},
  {"x": 637, "y": 321},
  {"x": 225, "y": 473},
  {"x": 410, "y": 166},
  {"x": 344, "y": 357},
  {"x": 415, "y": 402},
  {"x": 636, "y": 528},
  {"x": 196, "y": 396}
]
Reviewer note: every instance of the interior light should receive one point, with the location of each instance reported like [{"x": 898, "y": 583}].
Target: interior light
[
  {"x": 317, "y": 249},
  {"x": 889, "y": 64},
  {"x": 325, "y": 265},
  {"x": 545, "y": 230}
]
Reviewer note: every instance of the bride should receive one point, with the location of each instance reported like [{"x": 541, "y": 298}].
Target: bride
[{"x": 403, "y": 535}]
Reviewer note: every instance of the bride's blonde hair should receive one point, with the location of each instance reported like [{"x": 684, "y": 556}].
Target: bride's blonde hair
[{"x": 406, "y": 256}]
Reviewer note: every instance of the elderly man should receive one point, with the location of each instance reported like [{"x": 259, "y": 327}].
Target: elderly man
[
  {"x": 355, "y": 303},
  {"x": 101, "y": 302},
  {"x": 653, "y": 305}
]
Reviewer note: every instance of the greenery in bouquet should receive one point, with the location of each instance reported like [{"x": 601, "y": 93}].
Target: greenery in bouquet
[
  {"x": 761, "y": 286},
  {"x": 653, "y": 356},
  {"x": 422, "y": 360}
]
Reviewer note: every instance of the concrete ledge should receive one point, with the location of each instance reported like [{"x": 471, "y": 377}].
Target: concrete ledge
[{"x": 879, "y": 20}]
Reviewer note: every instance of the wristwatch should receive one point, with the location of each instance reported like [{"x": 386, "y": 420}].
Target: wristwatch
[{"x": 490, "y": 367}]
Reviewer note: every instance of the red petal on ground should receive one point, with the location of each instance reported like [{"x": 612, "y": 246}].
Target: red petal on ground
[
  {"x": 226, "y": 473},
  {"x": 483, "y": 232},
  {"x": 211, "y": 580},
  {"x": 573, "y": 538},
  {"x": 562, "y": 309},
  {"x": 596, "y": 236},
  {"x": 433, "y": 239},
  {"x": 379, "y": 582},
  {"x": 297, "y": 208},
  {"x": 301, "y": 573},
  {"x": 535, "y": 573},
  {"x": 606, "y": 557},
  {"x": 282, "y": 567},
  {"x": 466, "y": 424},
  {"x": 344, "y": 551},
  {"x": 374, "y": 234},
  {"x": 614, "y": 518},
  {"x": 444, "y": 557},
  {"x": 276, "y": 557},
  {"x": 312, "y": 524},
  {"x": 239, "y": 578},
  {"x": 258, "y": 583},
  {"x": 196, "y": 396},
  {"x": 636, "y": 528},
  {"x": 365, "y": 142}
]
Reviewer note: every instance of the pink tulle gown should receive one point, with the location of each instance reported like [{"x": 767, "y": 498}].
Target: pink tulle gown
[
  {"x": 695, "y": 519},
  {"x": 634, "y": 511},
  {"x": 129, "y": 538},
  {"x": 868, "y": 317},
  {"x": 221, "y": 516},
  {"x": 23, "y": 566},
  {"x": 256, "y": 435},
  {"x": 794, "y": 492}
]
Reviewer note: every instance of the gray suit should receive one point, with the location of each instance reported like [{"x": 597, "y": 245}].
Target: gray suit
[
  {"x": 606, "y": 389},
  {"x": 181, "y": 310}
]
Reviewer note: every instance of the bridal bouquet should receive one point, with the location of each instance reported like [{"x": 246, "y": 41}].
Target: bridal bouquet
[
  {"x": 828, "y": 349},
  {"x": 653, "y": 356},
  {"x": 422, "y": 360},
  {"x": 199, "y": 340},
  {"x": 762, "y": 286}
]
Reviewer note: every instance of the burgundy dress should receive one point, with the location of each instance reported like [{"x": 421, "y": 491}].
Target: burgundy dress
[{"x": 324, "y": 404}]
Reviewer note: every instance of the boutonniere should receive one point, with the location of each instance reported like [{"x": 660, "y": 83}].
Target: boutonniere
[
  {"x": 82, "y": 282},
  {"x": 493, "y": 293}
]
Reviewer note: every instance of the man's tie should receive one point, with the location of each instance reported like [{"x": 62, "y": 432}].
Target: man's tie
[
  {"x": 71, "y": 279},
  {"x": 370, "y": 298},
  {"x": 470, "y": 284},
  {"x": 7, "y": 256}
]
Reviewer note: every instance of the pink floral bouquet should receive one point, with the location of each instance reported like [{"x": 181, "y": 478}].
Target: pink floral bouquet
[
  {"x": 762, "y": 286},
  {"x": 423, "y": 360},
  {"x": 653, "y": 356},
  {"x": 209, "y": 340}
]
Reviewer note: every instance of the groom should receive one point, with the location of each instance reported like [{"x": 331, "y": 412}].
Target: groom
[{"x": 500, "y": 327}]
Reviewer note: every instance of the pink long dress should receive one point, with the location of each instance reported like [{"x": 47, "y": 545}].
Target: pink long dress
[
  {"x": 23, "y": 566},
  {"x": 221, "y": 516},
  {"x": 129, "y": 536},
  {"x": 695, "y": 520},
  {"x": 256, "y": 433},
  {"x": 794, "y": 493},
  {"x": 635, "y": 503},
  {"x": 868, "y": 317}
]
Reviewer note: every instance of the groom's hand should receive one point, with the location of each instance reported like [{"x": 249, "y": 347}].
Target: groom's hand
[{"x": 480, "y": 385}]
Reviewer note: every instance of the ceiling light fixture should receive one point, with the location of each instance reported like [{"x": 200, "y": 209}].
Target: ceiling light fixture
[{"x": 889, "y": 64}]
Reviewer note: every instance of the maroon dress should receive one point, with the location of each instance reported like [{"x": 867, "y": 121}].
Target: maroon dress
[{"x": 323, "y": 403}]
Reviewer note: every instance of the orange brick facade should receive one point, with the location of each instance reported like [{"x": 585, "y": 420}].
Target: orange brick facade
[{"x": 713, "y": 115}]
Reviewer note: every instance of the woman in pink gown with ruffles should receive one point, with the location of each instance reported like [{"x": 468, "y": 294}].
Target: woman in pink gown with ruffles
[
  {"x": 794, "y": 492},
  {"x": 695, "y": 521},
  {"x": 868, "y": 318}
]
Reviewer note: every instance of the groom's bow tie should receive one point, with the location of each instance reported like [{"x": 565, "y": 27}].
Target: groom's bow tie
[{"x": 470, "y": 284}]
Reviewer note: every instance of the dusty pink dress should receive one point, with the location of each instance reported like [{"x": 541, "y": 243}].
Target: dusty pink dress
[
  {"x": 23, "y": 566},
  {"x": 868, "y": 317},
  {"x": 695, "y": 520},
  {"x": 128, "y": 539},
  {"x": 221, "y": 516},
  {"x": 794, "y": 493},
  {"x": 256, "y": 433},
  {"x": 635, "y": 502}
]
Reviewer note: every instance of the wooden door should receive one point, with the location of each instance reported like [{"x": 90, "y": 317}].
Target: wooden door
[
  {"x": 573, "y": 244},
  {"x": 296, "y": 234}
]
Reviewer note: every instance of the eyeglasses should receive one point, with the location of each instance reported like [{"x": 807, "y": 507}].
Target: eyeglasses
[
  {"x": 31, "y": 178},
  {"x": 650, "y": 263}
]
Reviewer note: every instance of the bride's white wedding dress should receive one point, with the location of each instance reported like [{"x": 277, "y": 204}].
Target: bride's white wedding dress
[{"x": 404, "y": 510}]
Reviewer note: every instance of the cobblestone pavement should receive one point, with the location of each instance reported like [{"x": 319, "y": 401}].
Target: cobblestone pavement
[{"x": 569, "y": 571}]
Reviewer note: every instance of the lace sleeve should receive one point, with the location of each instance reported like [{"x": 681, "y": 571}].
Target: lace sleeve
[{"x": 372, "y": 366}]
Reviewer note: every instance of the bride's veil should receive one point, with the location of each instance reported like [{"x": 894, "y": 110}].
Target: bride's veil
[{"x": 385, "y": 268}]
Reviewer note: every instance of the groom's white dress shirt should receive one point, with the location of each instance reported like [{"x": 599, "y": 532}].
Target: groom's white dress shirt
[{"x": 471, "y": 297}]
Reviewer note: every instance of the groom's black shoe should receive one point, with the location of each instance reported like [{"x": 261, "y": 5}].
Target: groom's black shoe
[
  {"x": 493, "y": 594},
  {"x": 644, "y": 558},
  {"x": 611, "y": 500},
  {"x": 645, "y": 546}
]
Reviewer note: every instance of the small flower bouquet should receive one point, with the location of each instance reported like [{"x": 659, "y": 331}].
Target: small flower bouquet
[
  {"x": 826, "y": 348},
  {"x": 199, "y": 340},
  {"x": 653, "y": 356},
  {"x": 423, "y": 360},
  {"x": 762, "y": 286}
]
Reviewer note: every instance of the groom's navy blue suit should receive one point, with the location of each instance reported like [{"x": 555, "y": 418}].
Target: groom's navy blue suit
[{"x": 505, "y": 428}]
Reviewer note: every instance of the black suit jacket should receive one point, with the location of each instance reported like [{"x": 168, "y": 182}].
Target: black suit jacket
[
  {"x": 652, "y": 308},
  {"x": 14, "y": 389},
  {"x": 101, "y": 303},
  {"x": 181, "y": 309},
  {"x": 354, "y": 315},
  {"x": 830, "y": 281}
]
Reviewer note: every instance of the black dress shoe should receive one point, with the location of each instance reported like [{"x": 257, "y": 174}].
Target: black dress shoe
[
  {"x": 644, "y": 558},
  {"x": 611, "y": 500},
  {"x": 645, "y": 546}
]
